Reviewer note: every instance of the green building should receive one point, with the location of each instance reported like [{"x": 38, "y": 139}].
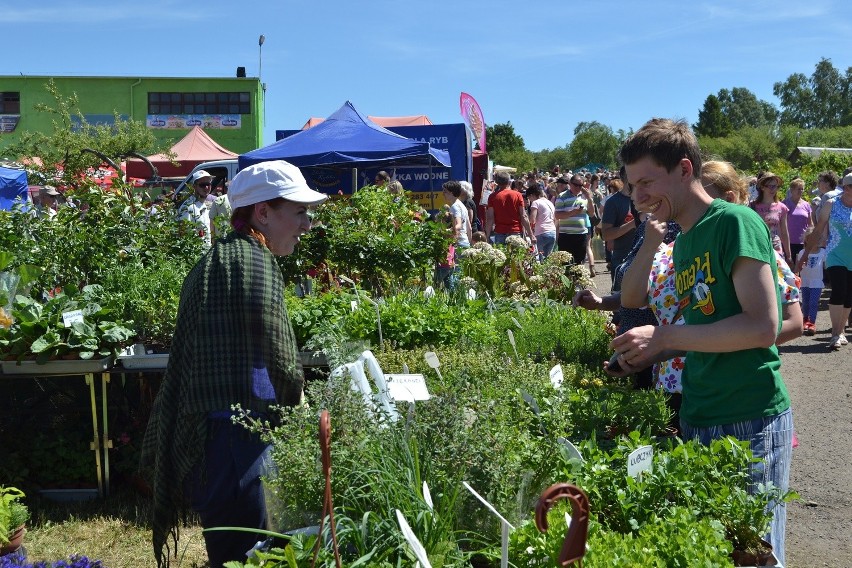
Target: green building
[{"x": 230, "y": 110}]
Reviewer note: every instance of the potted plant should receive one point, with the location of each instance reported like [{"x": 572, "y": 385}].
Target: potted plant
[{"x": 13, "y": 516}]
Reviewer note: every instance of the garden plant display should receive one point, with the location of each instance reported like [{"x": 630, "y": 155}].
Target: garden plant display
[{"x": 494, "y": 417}]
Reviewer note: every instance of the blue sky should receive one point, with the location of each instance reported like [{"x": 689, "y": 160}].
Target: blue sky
[{"x": 543, "y": 65}]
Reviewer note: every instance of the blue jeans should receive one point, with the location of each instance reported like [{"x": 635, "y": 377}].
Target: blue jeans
[
  {"x": 771, "y": 439},
  {"x": 810, "y": 303},
  {"x": 545, "y": 243}
]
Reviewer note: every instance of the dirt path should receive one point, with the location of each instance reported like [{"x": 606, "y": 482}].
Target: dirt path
[{"x": 819, "y": 525}]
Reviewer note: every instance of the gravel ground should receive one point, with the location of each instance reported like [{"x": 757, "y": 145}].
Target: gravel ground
[{"x": 819, "y": 525}]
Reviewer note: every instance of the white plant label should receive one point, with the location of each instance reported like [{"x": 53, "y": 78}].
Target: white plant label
[
  {"x": 471, "y": 294},
  {"x": 569, "y": 450},
  {"x": 432, "y": 359},
  {"x": 407, "y": 387},
  {"x": 512, "y": 342},
  {"x": 488, "y": 505},
  {"x": 429, "y": 292},
  {"x": 641, "y": 459},
  {"x": 354, "y": 305},
  {"x": 556, "y": 376},
  {"x": 427, "y": 496},
  {"x": 69, "y": 318},
  {"x": 517, "y": 323},
  {"x": 413, "y": 541},
  {"x": 405, "y": 368}
]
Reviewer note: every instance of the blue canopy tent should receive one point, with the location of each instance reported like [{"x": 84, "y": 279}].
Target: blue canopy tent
[
  {"x": 347, "y": 140},
  {"x": 13, "y": 186}
]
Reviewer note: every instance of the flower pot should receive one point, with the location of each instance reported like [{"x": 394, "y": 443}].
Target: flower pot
[
  {"x": 15, "y": 541},
  {"x": 762, "y": 557}
]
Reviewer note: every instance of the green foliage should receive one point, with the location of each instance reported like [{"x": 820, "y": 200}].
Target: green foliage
[
  {"x": 10, "y": 511},
  {"x": 680, "y": 539},
  {"x": 374, "y": 237},
  {"x": 743, "y": 109},
  {"x": 712, "y": 122},
  {"x": 504, "y": 144},
  {"x": 593, "y": 142},
  {"x": 39, "y": 329},
  {"x": 823, "y": 100},
  {"x": 746, "y": 148}
]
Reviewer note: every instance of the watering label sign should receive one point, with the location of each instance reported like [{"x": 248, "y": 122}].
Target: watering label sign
[
  {"x": 69, "y": 318},
  {"x": 641, "y": 459},
  {"x": 407, "y": 387},
  {"x": 556, "y": 376}
]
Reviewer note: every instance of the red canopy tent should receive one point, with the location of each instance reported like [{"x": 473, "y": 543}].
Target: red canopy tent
[{"x": 194, "y": 148}]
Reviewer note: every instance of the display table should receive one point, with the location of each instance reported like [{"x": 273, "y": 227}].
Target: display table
[
  {"x": 92, "y": 372},
  {"x": 87, "y": 369}
]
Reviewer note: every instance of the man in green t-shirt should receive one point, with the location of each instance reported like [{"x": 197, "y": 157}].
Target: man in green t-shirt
[{"x": 727, "y": 292}]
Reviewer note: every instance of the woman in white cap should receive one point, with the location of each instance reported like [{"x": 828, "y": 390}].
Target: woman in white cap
[{"x": 233, "y": 344}]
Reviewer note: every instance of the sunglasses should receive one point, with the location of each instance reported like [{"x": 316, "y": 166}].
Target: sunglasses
[{"x": 204, "y": 184}]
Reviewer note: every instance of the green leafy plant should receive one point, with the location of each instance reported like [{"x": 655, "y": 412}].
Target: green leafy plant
[
  {"x": 13, "y": 513},
  {"x": 39, "y": 331}
]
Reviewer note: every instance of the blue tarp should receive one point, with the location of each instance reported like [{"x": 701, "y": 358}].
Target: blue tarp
[
  {"x": 347, "y": 140},
  {"x": 13, "y": 186}
]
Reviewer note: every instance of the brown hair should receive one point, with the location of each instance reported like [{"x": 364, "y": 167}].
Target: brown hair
[{"x": 665, "y": 141}]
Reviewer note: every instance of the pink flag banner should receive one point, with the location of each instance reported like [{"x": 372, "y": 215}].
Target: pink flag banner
[{"x": 472, "y": 115}]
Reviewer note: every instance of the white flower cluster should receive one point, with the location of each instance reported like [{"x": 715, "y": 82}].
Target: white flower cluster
[
  {"x": 514, "y": 241},
  {"x": 560, "y": 257},
  {"x": 478, "y": 254}
]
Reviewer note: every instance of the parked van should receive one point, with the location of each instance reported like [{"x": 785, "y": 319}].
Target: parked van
[{"x": 219, "y": 169}]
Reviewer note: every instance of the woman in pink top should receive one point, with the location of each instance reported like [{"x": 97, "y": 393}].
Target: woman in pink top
[
  {"x": 774, "y": 212},
  {"x": 799, "y": 218},
  {"x": 541, "y": 220}
]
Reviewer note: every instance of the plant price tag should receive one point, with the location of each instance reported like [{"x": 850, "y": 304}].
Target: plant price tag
[
  {"x": 407, "y": 387},
  {"x": 69, "y": 318},
  {"x": 641, "y": 459},
  {"x": 556, "y": 376}
]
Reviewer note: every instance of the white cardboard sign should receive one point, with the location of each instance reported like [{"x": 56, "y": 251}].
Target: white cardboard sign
[
  {"x": 408, "y": 387},
  {"x": 556, "y": 376},
  {"x": 641, "y": 459},
  {"x": 70, "y": 317}
]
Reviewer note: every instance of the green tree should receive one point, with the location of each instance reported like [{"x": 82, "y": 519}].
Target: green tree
[
  {"x": 746, "y": 148},
  {"x": 504, "y": 144},
  {"x": 74, "y": 146},
  {"x": 822, "y": 101},
  {"x": 711, "y": 120},
  {"x": 593, "y": 142},
  {"x": 743, "y": 108}
]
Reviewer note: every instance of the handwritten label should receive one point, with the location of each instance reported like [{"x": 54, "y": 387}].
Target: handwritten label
[
  {"x": 69, "y": 318},
  {"x": 556, "y": 376},
  {"x": 354, "y": 305},
  {"x": 641, "y": 459},
  {"x": 407, "y": 387},
  {"x": 471, "y": 294},
  {"x": 429, "y": 292}
]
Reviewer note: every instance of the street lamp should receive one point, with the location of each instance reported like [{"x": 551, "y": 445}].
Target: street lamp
[{"x": 260, "y": 41}]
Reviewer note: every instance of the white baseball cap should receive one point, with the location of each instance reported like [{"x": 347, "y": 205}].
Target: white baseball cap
[
  {"x": 847, "y": 180},
  {"x": 270, "y": 180},
  {"x": 199, "y": 175}
]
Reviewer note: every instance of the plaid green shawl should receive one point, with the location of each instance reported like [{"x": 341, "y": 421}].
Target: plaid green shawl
[{"x": 232, "y": 328}]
